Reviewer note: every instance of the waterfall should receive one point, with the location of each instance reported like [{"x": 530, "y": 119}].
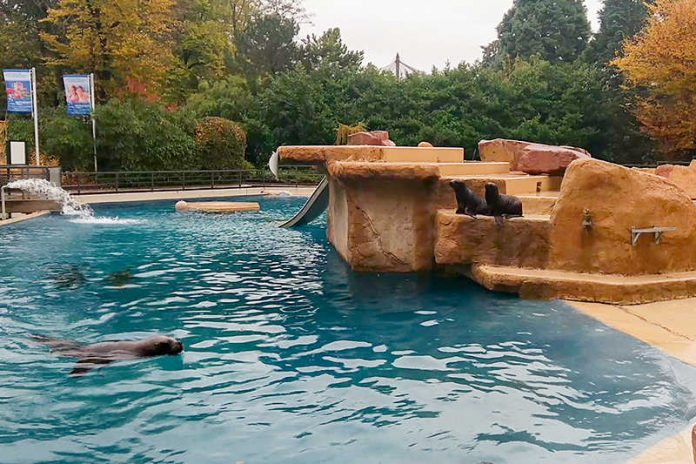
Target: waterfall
[{"x": 82, "y": 214}]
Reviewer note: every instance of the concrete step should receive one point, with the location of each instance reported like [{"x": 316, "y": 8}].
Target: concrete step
[
  {"x": 513, "y": 184},
  {"x": 473, "y": 168},
  {"x": 539, "y": 203},
  {"x": 598, "y": 288},
  {"x": 422, "y": 155}
]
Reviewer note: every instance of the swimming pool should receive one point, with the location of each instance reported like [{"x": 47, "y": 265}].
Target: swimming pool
[{"x": 291, "y": 358}]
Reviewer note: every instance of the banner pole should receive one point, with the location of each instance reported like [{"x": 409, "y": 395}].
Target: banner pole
[
  {"x": 35, "y": 113},
  {"x": 94, "y": 121}
]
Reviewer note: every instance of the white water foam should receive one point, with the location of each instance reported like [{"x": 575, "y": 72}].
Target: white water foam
[
  {"x": 69, "y": 205},
  {"x": 105, "y": 220}
]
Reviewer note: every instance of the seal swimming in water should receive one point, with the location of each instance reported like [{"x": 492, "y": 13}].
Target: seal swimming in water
[
  {"x": 467, "y": 201},
  {"x": 502, "y": 205},
  {"x": 99, "y": 354}
]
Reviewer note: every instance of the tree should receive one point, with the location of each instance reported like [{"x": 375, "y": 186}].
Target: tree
[
  {"x": 268, "y": 45},
  {"x": 659, "y": 63},
  {"x": 118, "y": 40},
  {"x": 329, "y": 50},
  {"x": 619, "y": 20},
  {"x": 229, "y": 98},
  {"x": 556, "y": 30}
]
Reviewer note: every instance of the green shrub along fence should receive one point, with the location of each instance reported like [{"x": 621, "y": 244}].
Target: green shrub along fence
[{"x": 134, "y": 181}]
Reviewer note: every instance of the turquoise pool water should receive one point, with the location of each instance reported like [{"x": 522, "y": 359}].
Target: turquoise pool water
[{"x": 291, "y": 358}]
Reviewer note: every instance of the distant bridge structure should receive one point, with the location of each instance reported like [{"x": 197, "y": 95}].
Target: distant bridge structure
[{"x": 400, "y": 69}]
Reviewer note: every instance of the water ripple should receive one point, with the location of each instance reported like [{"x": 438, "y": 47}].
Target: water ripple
[{"x": 292, "y": 358}]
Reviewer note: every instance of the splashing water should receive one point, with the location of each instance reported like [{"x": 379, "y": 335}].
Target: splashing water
[{"x": 69, "y": 205}]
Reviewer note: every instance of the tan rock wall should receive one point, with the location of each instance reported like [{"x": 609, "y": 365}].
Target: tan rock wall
[
  {"x": 383, "y": 225},
  {"x": 519, "y": 242},
  {"x": 618, "y": 199},
  {"x": 683, "y": 177},
  {"x": 337, "y": 218}
]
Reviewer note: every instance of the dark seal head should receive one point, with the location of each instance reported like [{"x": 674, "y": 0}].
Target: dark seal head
[
  {"x": 160, "y": 346},
  {"x": 492, "y": 194}
]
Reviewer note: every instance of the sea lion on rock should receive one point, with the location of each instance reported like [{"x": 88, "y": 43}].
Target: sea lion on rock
[
  {"x": 467, "y": 201},
  {"x": 502, "y": 205},
  {"x": 99, "y": 354}
]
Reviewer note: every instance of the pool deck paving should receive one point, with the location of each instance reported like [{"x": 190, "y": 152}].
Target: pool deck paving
[
  {"x": 669, "y": 326},
  {"x": 673, "y": 450},
  {"x": 136, "y": 197}
]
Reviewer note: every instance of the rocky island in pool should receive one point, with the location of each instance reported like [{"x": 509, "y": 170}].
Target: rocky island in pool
[{"x": 591, "y": 231}]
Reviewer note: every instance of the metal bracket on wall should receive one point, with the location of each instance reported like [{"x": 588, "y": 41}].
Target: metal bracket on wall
[{"x": 657, "y": 231}]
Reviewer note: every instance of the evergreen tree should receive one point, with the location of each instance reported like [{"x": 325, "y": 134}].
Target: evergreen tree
[
  {"x": 556, "y": 30},
  {"x": 619, "y": 20}
]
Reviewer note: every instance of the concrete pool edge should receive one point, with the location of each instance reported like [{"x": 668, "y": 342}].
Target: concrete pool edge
[
  {"x": 27, "y": 217},
  {"x": 676, "y": 449},
  {"x": 175, "y": 195},
  {"x": 670, "y": 327}
]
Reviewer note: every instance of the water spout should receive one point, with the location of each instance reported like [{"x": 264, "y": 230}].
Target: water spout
[
  {"x": 82, "y": 214},
  {"x": 43, "y": 188}
]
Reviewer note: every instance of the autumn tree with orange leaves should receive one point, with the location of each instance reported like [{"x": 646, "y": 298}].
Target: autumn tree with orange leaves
[
  {"x": 660, "y": 63},
  {"x": 121, "y": 41}
]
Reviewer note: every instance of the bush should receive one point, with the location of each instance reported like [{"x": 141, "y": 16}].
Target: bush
[
  {"x": 65, "y": 139},
  {"x": 221, "y": 144},
  {"x": 140, "y": 136}
]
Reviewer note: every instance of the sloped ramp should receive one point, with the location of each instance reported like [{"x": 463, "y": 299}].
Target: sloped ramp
[{"x": 313, "y": 208}]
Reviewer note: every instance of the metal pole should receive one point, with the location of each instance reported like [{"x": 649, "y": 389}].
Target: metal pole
[
  {"x": 94, "y": 121},
  {"x": 35, "y": 113},
  {"x": 2, "y": 197}
]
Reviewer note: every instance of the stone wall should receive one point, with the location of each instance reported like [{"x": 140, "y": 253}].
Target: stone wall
[
  {"x": 382, "y": 220},
  {"x": 618, "y": 199},
  {"x": 519, "y": 242}
]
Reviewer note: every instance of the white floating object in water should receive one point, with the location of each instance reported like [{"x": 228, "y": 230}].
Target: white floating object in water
[{"x": 219, "y": 207}]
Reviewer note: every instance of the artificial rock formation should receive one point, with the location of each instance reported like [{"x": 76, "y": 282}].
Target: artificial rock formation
[
  {"x": 683, "y": 177},
  {"x": 531, "y": 158},
  {"x": 380, "y": 217},
  {"x": 519, "y": 242},
  {"x": 374, "y": 138},
  {"x": 617, "y": 200}
]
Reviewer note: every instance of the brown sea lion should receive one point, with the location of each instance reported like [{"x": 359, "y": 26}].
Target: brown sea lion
[
  {"x": 502, "y": 206},
  {"x": 99, "y": 354},
  {"x": 467, "y": 201}
]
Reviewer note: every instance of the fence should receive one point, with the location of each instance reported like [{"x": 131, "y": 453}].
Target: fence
[
  {"x": 134, "y": 181},
  {"x": 10, "y": 173}
]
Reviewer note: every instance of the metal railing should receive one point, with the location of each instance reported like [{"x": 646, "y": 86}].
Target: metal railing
[
  {"x": 136, "y": 181},
  {"x": 9, "y": 173}
]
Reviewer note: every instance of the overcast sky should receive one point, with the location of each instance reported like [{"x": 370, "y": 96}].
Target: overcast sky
[{"x": 426, "y": 33}]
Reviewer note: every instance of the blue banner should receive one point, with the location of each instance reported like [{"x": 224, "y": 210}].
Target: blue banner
[
  {"x": 78, "y": 94},
  {"x": 18, "y": 90}
]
